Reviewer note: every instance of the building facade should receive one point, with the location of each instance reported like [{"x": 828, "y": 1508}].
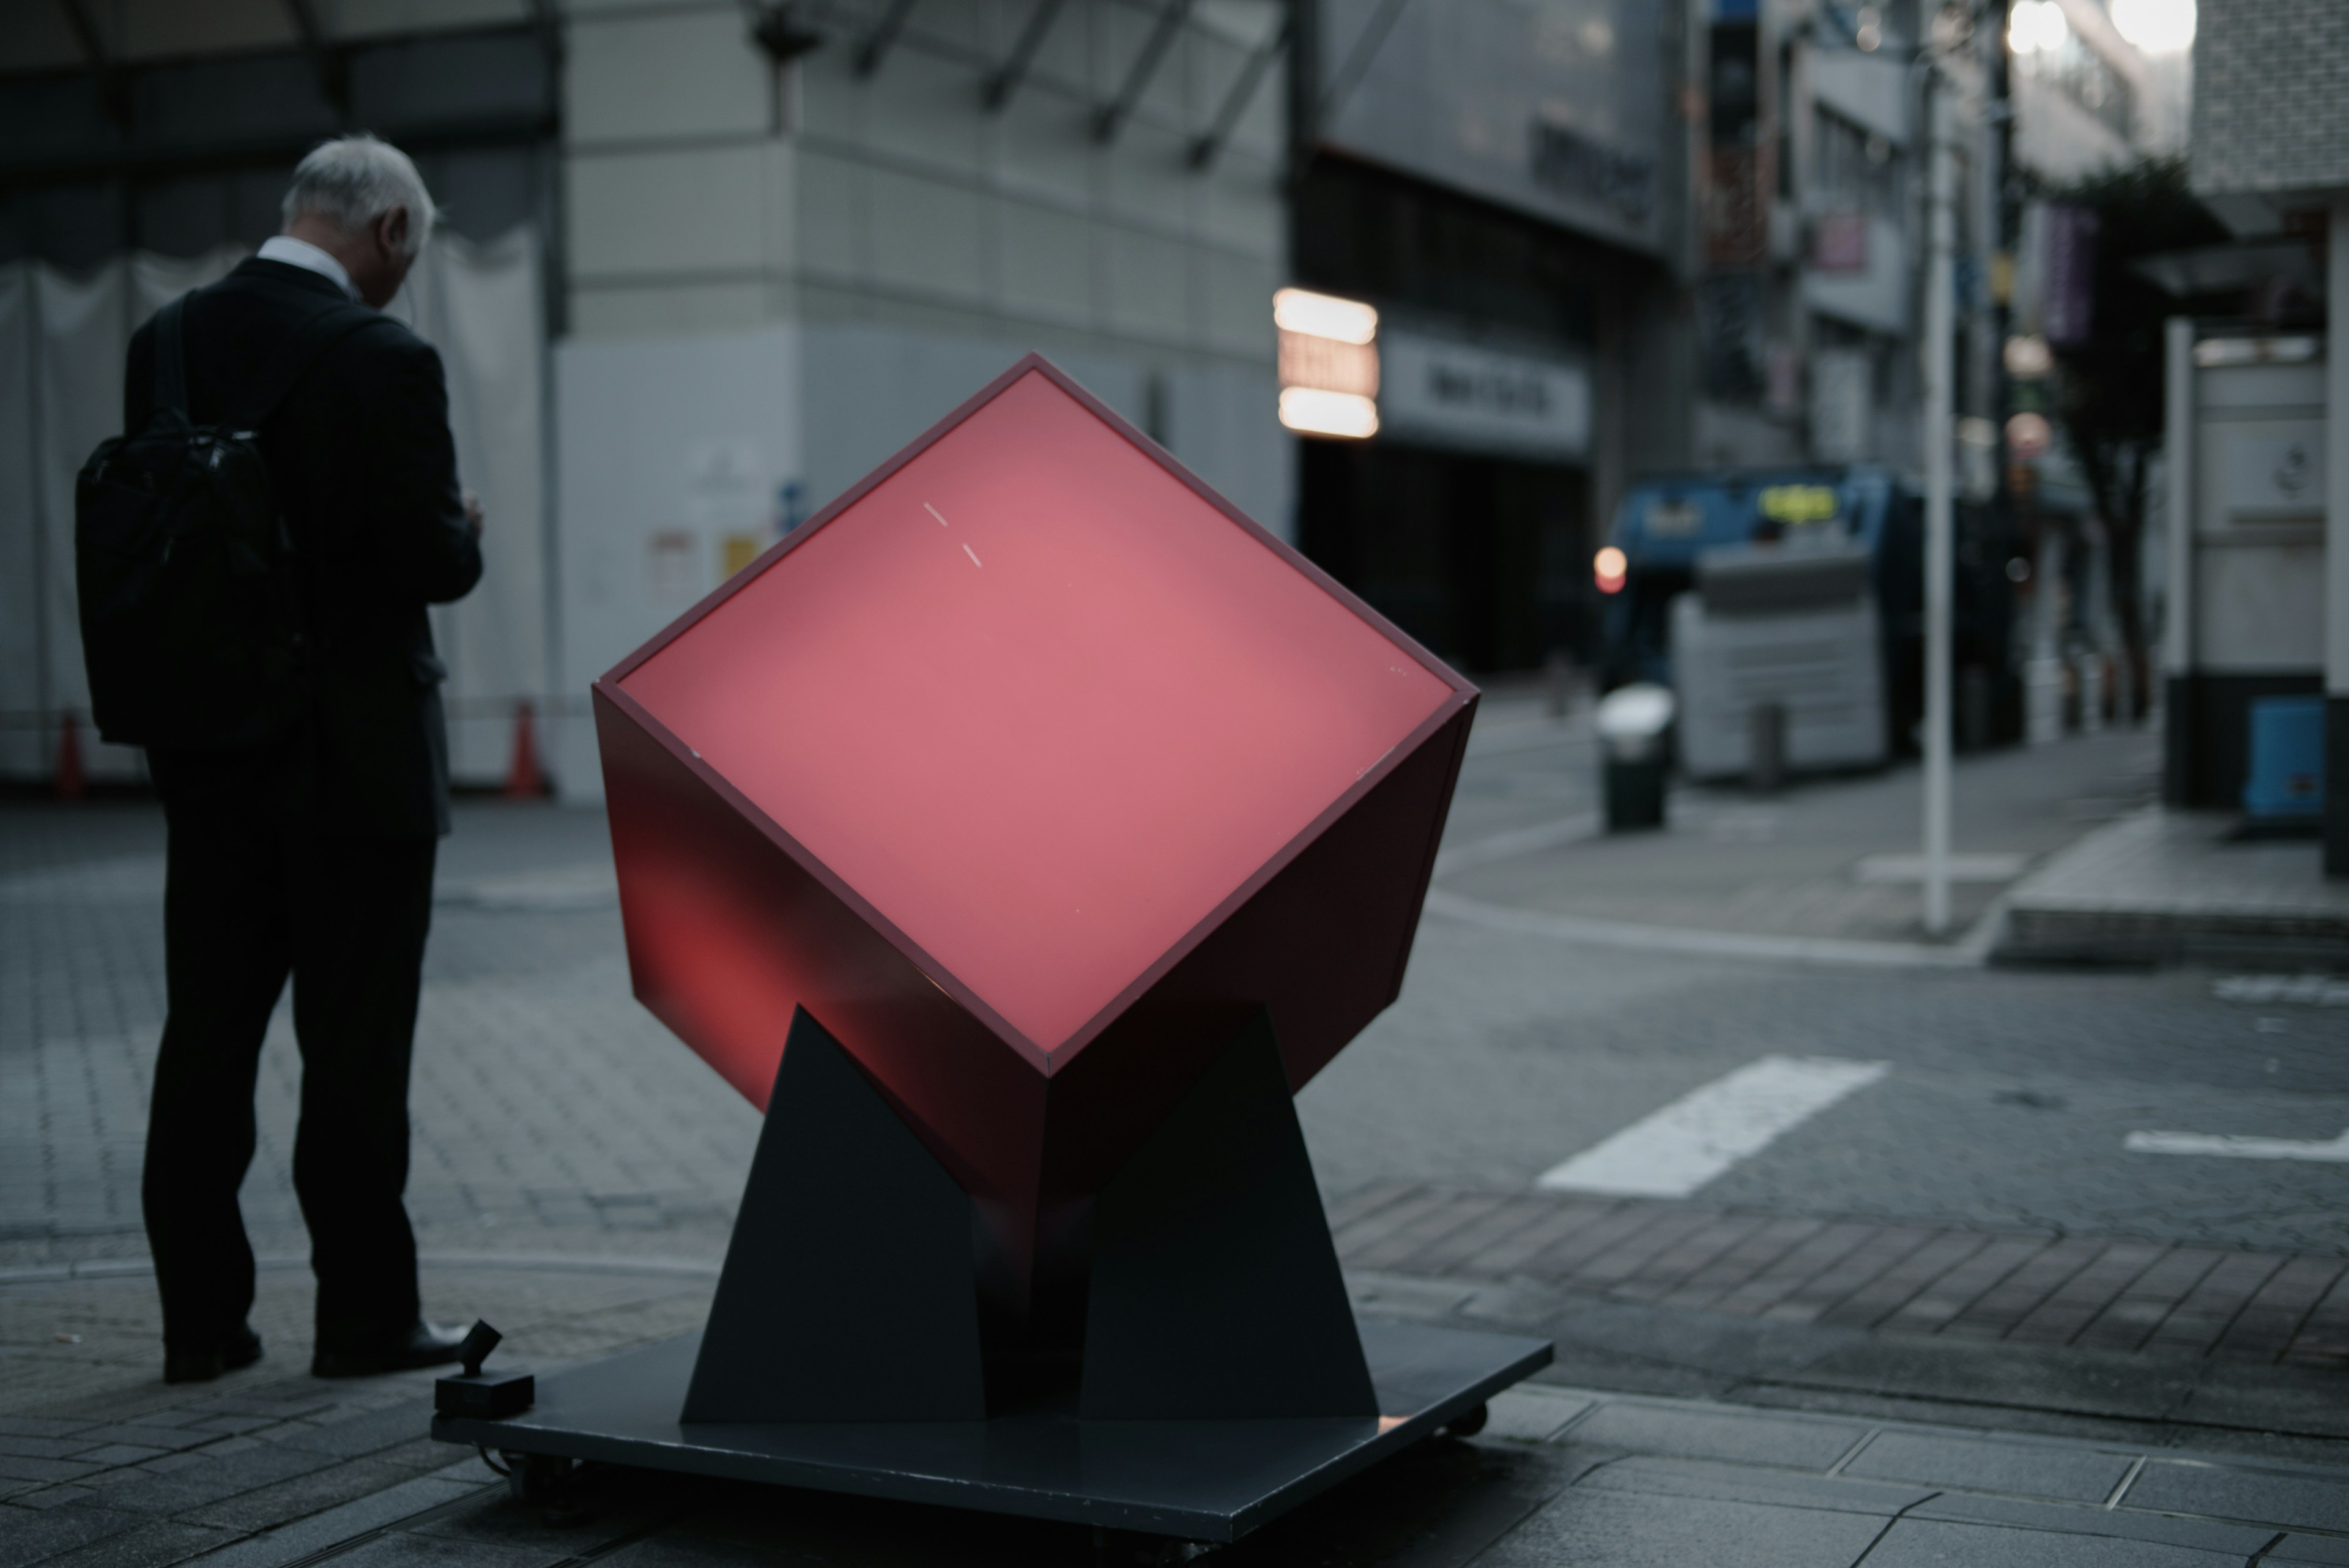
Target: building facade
[
  {"x": 2270, "y": 154},
  {"x": 707, "y": 263},
  {"x": 1506, "y": 185}
]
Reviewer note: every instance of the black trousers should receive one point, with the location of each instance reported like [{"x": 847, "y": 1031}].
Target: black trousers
[{"x": 254, "y": 896}]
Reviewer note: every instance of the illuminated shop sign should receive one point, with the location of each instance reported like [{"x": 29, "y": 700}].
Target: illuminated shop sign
[{"x": 1328, "y": 364}]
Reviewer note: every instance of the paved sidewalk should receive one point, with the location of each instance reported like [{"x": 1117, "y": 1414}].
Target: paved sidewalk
[
  {"x": 264, "y": 1471},
  {"x": 1824, "y": 860},
  {"x": 555, "y": 1114},
  {"x": 2174, "y": 886}
]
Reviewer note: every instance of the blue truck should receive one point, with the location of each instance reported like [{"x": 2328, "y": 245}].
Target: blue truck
[{"x": 1666, "y": 521}]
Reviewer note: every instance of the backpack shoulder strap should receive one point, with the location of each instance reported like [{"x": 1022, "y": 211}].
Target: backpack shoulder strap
[
  {"x": 269, "y": 386},
  {"x": 171, "y": 345}
]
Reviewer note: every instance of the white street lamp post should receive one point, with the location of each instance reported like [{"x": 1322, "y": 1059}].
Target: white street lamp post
[{"x": 1939, "y": 422}]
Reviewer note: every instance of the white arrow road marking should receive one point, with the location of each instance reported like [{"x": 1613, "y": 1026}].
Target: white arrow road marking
[
  {"x": 2332, "y": 1151},
  {"x": 1681, "y": 1147}
]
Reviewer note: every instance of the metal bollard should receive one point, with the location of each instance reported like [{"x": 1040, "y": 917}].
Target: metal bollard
[
  {"x": 1766, "y": 767},
  {"x": 1633, "y": 723}
]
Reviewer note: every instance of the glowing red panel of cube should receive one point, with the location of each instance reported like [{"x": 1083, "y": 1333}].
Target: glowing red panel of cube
[{"x": 981, "y": 763}]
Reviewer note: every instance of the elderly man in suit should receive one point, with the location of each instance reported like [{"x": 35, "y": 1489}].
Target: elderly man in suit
[{"x": 311, "y": 858}]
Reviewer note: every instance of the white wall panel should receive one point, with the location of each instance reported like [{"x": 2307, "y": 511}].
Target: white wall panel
[
  {"x": 671, "y": 212},
  {"x": 920, "y": 107},
  {"x": 1239, "y": 304},
  {"x": 480, "y": 305},
  {"x": 1242, "y": 209},
  {"x": 1043, "y": 148},
  {"x": 647, "y": 77},
  {"x": 666, "y": 448},
  {"x": 927, "y": 235},
  {"x": 670, "y": 309},
  {"x": 1045, "y": 262},
  {"x": 828, "y": 97},
  {"x": 1149, "y": 291},
  {"x": 2260, "y": 610},
  {"x": 830, "y": 224},
  {"x": 1149, "y": 179}
]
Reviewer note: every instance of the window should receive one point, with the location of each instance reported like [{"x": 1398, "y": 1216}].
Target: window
[{"x": 1854, "y": 169}]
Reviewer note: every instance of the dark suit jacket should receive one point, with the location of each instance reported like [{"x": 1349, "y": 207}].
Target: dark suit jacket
[{"x": 363, "y": 468}]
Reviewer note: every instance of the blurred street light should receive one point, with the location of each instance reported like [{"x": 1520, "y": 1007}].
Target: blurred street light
[
  {"x": 2028, "y": 436},
  {"x": 1324, "y": 316},
  {"x": 1309, "y": 410},
  {"x": 1608, "y": 568},
  {"x": 1328, "y": 364},
  {"x": 2155, "y": 26},
  {"x": 2038, "y": 27},
  {"x": 2028, "y": 359}
]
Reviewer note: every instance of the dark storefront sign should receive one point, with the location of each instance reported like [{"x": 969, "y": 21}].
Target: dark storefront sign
[
  {"x": 1565, "y": 159},
  {"x": 1498, "y": 178},
  {"x": 1468, "y": 396},
  {"x": 1556, "y": 110}
]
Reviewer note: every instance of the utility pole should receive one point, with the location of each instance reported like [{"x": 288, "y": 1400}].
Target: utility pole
[{"x": 1939, "y": 425}]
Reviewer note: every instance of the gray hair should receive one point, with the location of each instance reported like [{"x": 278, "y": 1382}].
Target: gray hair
[{"x": 352, "y": 181}]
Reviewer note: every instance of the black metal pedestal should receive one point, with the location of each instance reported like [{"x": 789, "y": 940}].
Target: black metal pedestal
[
  {"x": 1223, "y": 1379},
  {"x": 1198, "y": 1480}
]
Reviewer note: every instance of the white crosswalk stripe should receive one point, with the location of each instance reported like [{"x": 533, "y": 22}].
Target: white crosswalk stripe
[{"x": 1679, "y": 1148}]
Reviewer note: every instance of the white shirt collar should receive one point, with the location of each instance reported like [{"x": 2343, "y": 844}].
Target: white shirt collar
[{"x": 303, "y": 254}]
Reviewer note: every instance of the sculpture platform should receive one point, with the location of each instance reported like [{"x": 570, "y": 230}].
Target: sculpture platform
[{"x": 1200, "y": 1481}]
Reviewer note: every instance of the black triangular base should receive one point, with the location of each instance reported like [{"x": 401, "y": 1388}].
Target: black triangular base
[
  {"x": 1215, "y": 1293},
  {"x": 849, "y": 1292}
]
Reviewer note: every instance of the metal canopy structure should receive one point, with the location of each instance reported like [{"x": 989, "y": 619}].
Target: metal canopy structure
[
  {"x": 1111, "y": 118},
  {"x": 1208, "y": 148},
  {"x": 1014, "y": 69},
  {"x": 875, "y": 47},
  {"x": 112, "y": 142}
]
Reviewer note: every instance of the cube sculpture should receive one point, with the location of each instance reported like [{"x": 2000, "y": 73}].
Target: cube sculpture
[{"x": 1034, "y": 771}]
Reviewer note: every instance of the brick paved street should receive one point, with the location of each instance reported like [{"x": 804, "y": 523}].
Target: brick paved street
[{"x": 2039, "y": 1288}]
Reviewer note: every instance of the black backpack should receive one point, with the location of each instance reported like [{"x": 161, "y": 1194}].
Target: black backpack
[{"x": 192, "y": 620}]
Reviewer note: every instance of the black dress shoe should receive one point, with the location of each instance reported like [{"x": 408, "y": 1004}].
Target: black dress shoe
[
  {"x": 425, "y": 1344},
  {"x": 242, "y": 1349}
]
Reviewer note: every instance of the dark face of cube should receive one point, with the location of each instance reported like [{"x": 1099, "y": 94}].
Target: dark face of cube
[{"x": 979, "y": 767}]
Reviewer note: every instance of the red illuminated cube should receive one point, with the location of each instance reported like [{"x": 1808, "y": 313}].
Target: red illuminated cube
[{"x": 1031, "y": 769}]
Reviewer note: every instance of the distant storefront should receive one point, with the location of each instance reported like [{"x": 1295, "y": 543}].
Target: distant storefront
[{"x": 1501, "y": 188}]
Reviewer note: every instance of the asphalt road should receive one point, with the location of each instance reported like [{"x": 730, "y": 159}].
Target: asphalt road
[
  {"x": 2007, "y": 1101},
  {"x": 2009, "y": 1094}
]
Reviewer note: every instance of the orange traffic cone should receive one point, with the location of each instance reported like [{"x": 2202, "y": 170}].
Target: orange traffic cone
[
  {"x": 69, "y": 780},
  {"x": 524, "y": 779}
]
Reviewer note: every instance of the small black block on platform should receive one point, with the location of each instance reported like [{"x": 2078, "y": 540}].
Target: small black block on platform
[
  {"x": 484, "y": 1396},
  {"x": 1216, "y": 1291},
  {"x": 848, "y": 1293}
]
